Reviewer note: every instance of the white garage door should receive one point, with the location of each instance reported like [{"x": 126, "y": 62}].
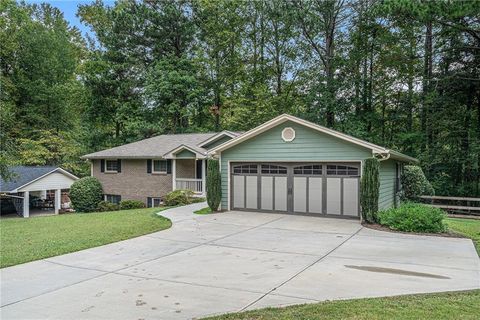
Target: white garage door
[{"x": 312, "y": 188}]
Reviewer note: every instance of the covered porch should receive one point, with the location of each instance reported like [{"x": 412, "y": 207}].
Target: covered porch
[{"x": 188, "y": 170}]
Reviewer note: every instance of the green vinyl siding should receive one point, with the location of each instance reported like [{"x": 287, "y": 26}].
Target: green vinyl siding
[
  {"x": 185, "y": 154},
  {"x": 386, "y": 194},
  {"x": 217, "y": 142},
  {"x": 308, "y": 145}
]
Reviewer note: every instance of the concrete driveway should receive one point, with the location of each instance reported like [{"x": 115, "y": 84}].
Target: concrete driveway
[{"x": 235, "y": 261}]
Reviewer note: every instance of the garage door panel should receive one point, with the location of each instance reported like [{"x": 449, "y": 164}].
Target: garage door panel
[
  {"x": 280, "y": 194},
  {"x": 300, "y": 194},
  {"x": 316, "y": 188},
  {"x": 267, "y": 193},
  {"x": 315, "y": 196},
  {"x": 350, "y": 199},
  {"x": 252, "y": 192},
  {"x": 239, "y": 191},
  {"x": 334, "y": 196}
]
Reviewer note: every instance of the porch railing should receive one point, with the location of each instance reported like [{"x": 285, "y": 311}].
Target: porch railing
[{"x": 196, "y": 185}]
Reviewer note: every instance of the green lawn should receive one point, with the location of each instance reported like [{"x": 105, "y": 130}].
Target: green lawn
[
  {"x": 455, "y": 305},
  {"x": 24, "y": 240},
  {"x": 206, "y": 210},
  {"x": 467, "y": 227}
]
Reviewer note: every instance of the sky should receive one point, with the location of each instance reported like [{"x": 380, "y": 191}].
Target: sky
[{"x": 69, "y": 9}]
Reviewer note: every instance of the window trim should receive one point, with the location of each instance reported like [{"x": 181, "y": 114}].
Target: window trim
[
  {"x": 106, "y": 166},
  {"x": 112, "y": 195},
  {"x": 159, "y": 172},
  {"x": 156, "y": 198},
  {"x": 347, "y": 174}
]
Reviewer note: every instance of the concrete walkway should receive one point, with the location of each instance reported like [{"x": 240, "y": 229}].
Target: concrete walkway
[{"x": 234, "y": 261}]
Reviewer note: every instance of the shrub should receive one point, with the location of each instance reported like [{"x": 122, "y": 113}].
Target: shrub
[
  {"x": 415, "y": 183},
  {"x": 85, "y": 194},
  {"x": 414, "y": 217},
  {"x": 107, "y": 206},
  {"x": 214, "y": 187},
  {"x": 369, "y": 186},
  {"x": 178, "y": 197},
  {"x": 131, "y": 204}
]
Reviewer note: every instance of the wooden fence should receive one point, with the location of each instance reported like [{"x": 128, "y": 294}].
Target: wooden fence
[{"x": 454, "y": 205}]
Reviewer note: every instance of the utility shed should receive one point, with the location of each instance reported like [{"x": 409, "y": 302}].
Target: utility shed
[{"x": 39, "y": 188}]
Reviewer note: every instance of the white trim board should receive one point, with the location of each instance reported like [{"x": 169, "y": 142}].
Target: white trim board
[{"x": 65, "y": 172}]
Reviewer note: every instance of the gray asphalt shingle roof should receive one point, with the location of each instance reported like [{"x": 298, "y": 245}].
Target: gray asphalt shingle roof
[
  {"x": 24, "y": 175},
  {"x": 154, "y": 147}
]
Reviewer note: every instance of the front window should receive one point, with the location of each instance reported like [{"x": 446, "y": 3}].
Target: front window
[
  {"x": 159, "y": 166},
  {"x": 111, "y": 166},
  {"x": 113, "y": 198},
  {"x": 157, "y": 202}
]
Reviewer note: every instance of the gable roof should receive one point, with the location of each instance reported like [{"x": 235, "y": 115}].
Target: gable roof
[
  {"x": 25, "y": 175},
  {"x": 155, "y": 147},
  {"x": 376, "y": 149},
  {"x": 171, "y": 154},
  {"x": 224, "y": 133}
]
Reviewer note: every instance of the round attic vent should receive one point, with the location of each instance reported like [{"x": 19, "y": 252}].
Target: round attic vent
[{"x": 288, "y": 134}]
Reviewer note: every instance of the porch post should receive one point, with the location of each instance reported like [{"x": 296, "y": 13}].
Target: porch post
[
  {"x": 204, "y": 180},
  {"x": 174, "y": 174},
  {"x": 26, "y": 204},
  {"x": 58, "y": 200}
]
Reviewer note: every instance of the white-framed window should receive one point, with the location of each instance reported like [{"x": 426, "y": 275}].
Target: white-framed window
[
  {"x": 159, "y": 166},
  {"x": 153, "y": 202},
  {"x": 111, "y": 166},
  {"x": 113, "y": 198},
  {"x": 157, "y": 202}
]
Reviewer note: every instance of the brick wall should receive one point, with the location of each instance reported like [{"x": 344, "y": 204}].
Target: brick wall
[
  {"x": 133, "y": 182},
  {"x": 185, "y": 168}
]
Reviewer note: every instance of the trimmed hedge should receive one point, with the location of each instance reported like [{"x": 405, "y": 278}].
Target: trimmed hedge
[
  {"x": 178, "y": 197},
  {"x": 131, "y": 204},
  {"x": 415, "y": 184},
  {"x": 369, "y": 189},
  {"x": 214, "y": 184},
  {"x": 85, "y": 194},
  {"x": 414, "y": 217}
]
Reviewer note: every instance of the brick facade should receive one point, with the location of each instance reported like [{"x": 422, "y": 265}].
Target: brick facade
[
  {"x": 185, "y": 168},
  {"x": 133, "y": 182}
]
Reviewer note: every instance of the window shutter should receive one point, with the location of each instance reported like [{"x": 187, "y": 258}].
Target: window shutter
[
  {"x": 149, "y": 202},
  {"x": 119, "y": 165},
  {"x": 149, "y": 166},
  {"x": 169, "y": 166},
  {"x": 102, "y": 165}
]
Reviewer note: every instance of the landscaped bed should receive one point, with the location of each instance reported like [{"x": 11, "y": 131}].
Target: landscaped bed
[
  {"x": 453, "y": 305},
  {"x": 24, "y": 240}
]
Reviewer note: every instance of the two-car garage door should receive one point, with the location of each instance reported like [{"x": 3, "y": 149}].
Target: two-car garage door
[{"x": 314, "y": 188}]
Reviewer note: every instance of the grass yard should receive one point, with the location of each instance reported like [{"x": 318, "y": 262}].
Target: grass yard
[
  {"x": 467, "y": 227},
  {"x": 206, "y": 210},
  {"x": 23, "y": 240},
  {"x": 453, "y": 305}
]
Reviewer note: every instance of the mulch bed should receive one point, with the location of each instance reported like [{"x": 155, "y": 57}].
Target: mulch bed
[{"x": 379, "y": 227}]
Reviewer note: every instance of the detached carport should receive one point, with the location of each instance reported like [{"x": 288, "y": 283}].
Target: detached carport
[{"x": 35, "y": 181}]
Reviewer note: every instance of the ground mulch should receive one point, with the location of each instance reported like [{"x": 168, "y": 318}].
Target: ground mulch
[{"x": 379, "y": 227}]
